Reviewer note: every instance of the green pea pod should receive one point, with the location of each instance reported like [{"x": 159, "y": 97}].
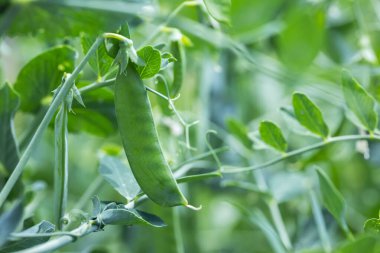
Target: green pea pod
[
  {"x": 140, "y": 141},
  {"x": 178, "y": 68}
]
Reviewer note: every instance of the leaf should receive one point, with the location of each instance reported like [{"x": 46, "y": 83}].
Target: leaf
[
  {"x": 129, "y": 217},
  {"x": 119, "y": 175},
  {"x": 219, "y": 9},
  {"x": 271, "y": 134},
  {"x": 332, "y": 199},
  {"x": 24, "y": 243},
  {"x": 40, "y": 76},
  {"x": 240, "y": 131},
  {"x": 304, "y": 32},
  {"x": 309, "y": 115},
  {"x": 112, "y": 45},
  {"x": 100, "y": 61},
  {"x": 9, "y": 221},
  {"x": 152, "y": 58},
  {"x": 359, "y": 101},
  {"x": 372, "y": 225},
  {"x": 363, "y": 244},
  {"x": 63, "y": 18},
  {"x": 9, "y": 103}
]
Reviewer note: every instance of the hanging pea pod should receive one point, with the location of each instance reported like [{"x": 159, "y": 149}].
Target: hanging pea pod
[
  {"x": 140, "y": 140},
  {"x": 178, "y": 67}
]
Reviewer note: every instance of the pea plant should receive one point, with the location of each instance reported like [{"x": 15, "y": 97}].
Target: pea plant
[{"x": 189, "y": 126}]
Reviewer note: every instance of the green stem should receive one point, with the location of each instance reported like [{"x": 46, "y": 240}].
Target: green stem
[
  {"x": 97, "y": 85},
  {"x": 177, "y": 231},
  {"x": 318, "y": 217},
  {"x": 45, "y": 122},
  {"x": 61, "y": 170},
  {"x": 54, "y": 244},
  {"x": 234, "y": 169}
]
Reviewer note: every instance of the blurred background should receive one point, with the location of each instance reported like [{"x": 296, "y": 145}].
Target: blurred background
[{"x": 241, "y": 69}]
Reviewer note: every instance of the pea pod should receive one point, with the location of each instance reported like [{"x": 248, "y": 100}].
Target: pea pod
[
  {"x": 140, "y": 141},
  {"x": 178, "y": 68}
]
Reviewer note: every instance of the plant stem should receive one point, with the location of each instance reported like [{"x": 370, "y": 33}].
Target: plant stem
[
  {"x": 54, "y": 244},
  {"x": 234, "y": 169},
  {"x": 97, "y": 85},
  {"x": 177, "y": 231},
  {"x": 45, "y": 122},
  {"x": 321, "y": 226}
]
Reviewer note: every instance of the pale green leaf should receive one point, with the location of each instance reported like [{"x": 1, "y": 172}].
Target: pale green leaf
[
  {"x": 359, "y": 102},
  {"x": 129, "y": 217},
  {"x": 118, "y": 173},
  {"x": 152, "y": 58},
  {"x": 309, "y": 115},
  {"x": 219, "y": 9},
  {"x": 240, "y": 131},
  {"x": 271, "y": 134},
  {"x": 332, "y": 199},
  {"x": 9, "y": 221}
]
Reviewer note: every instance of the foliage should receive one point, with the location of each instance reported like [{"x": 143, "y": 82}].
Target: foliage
[{"x": 263, "y": 114}]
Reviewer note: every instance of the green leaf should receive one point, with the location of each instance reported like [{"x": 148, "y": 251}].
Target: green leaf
[
  {"x": 372, "y": 225},
  {"x": 271, "y": 134},
  {"x": 100, "y": 61},
  {"x": 332, "y": 199},
  {"x": 9, "y": 103},
  {"x": 219, "y": 9},
  {"x": 112, "y": 45},
  {"x": 24, "y": 243},
  {"x": 40, "y": 76},
  {"x": 304, "y": 33},
  {"x": 9, "y": 221},
  {"x": 365, "y": 243},
  {"x": 359, "y": 101},
  {"x": 309, "y": 115},
  {"x": 129, "y": 217},
  {"x": 118, "y": 173},
  {"x": 240, "y": 131},
  {"x": 152, "y": 58}
]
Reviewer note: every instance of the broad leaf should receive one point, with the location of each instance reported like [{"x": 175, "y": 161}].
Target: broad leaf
[
  {"x": 129, "y": 217},
  {"x": 219, "y": 9},
  {"x": 365, "y": 243},
  {"x": 100, "y": 61},
  {"x": 152, "y": 58},
  {"x": 240, "y": 131},
  {"x": 271, "y": 134},
  {"x": 359, "y": 102},
  {"x": 309, "y": 115},
  {"x": 302, "y": 38},
  {"x": 9, "y": 221},
  {"x": 39, "y": 77},
  {"x": 332, "y": 199},
  {"x": 118, "y": 173},
  {"x": 372, "y": 225},
  {"x": 9, "y": 103},
  {"x": 24, "y": 243}
]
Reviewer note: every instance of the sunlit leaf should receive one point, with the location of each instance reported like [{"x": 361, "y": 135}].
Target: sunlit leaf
[
  {"x": 359, "y": 101},
  {"x": 152, "y": 58},
  {"x": 219, "y": 9},
  {"x": 118, "y": 173},
  {"x": 309, "y": 115},
  {"x": 372, "y": 225},
  {"x": 40, "y": 76},
  {"x": 272, "y": 135}
]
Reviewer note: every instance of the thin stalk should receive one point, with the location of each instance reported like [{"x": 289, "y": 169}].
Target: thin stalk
[
  {"x": 321, "y": 226},
  {"x": 234, "y": 169},
  {"x": 274, "y": 211},
  {"x": 61, "y": 170},
  {"x": 61, "y": 95},
  {"x": 174, "y": 13},
  {"x": 177, "y": 231},
  {"x": 54, "y": 244},
  {"x": 97, "y": 85}
]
